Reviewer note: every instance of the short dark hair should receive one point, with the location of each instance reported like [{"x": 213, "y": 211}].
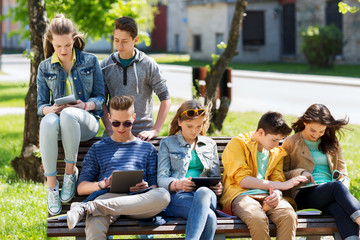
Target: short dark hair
[
  {"x": 127, "y": 24},
  {"x": 274, "y": 123},
  {"x": 121, "y": 102}
]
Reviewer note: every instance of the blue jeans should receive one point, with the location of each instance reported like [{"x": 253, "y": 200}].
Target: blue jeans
[
  {"x": 199, "y": 209},
  {"x": 335, "y": 199}
]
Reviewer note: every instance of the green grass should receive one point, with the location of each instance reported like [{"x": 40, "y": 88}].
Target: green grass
[{"x": 12, "y": 94}]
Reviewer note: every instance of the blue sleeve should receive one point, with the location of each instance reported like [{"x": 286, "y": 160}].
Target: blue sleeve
[
  {"x": 43, "y": 92},
  {"x": 98, "y": 92},
  {"x": 151, "y": 168},
  {"x": 90, "y": 167}
]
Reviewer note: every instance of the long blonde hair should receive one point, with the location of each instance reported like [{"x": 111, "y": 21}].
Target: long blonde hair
[
  {"x": 61, "y": 25},
  {"x": 190, "y": 104}
]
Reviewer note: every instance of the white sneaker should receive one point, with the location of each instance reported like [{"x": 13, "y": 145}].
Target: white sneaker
[
  {"x": 78, "y": 210},
  {"x": 69, "y": 186},
  {"x": 53, "y": 201}
]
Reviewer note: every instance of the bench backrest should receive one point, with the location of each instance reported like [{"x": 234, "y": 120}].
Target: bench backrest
[{"x": 85, "y": 146}]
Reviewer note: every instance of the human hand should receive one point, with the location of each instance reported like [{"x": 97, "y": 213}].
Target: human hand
[
  {"x": 293, "y": 182},
  {"x": 148, "y": 135},
  {"x": 57, "y": 109},
  {"x": 140, "y": 186},
  {"x": 106, "y": 182},
  {"x": 272, "y": 200},
  {"x": 308, "y": 176},
  {"x": 185, "y": 185},
  {"x": 79, "y": 104},
  {"x": 218, "y": 188}
]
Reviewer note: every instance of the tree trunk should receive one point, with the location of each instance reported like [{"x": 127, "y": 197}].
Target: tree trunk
[
  {"x": 28, "y": 165},
  {"x": 217, "y": 71}
]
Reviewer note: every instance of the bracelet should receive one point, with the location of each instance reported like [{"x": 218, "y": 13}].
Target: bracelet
[
  {"x": 100, "y": 188},
  {"x": 84, "y": 106}
]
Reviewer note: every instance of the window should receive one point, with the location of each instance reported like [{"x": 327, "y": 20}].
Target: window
[
  {"x": 254, "y": 28},
  {"x": 197, "y": 43}
]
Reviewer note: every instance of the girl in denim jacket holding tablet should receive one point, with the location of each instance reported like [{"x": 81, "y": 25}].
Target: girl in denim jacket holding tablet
[
  {"x": 66, "y": 71},
  {"x": 188, "y": 153}
]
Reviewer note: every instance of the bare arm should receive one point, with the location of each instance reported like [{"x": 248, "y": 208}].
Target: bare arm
[
  {"x": 106, "y": 121},
  {"x": 252, "y": 182},
  {"x": 163, "y": 111},
  {"x": 87, "y": 188}
]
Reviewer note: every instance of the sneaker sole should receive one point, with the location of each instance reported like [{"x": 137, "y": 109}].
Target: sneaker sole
[{"x": 54, "y": 213}]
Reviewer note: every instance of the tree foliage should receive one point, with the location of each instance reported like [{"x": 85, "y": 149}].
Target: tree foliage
[
  {"x": 320, "y": 45},
  {"x": 344, "y": 8},
  {"x": 93, "y": 17}
]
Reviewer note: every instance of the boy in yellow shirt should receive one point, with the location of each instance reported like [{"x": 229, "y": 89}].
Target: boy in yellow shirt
[{"x": 253, "y": 179}]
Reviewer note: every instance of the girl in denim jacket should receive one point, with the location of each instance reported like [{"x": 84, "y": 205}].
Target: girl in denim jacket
[
  {"x": 66, "y": 71},
  {"x": 187, "y": 153}
]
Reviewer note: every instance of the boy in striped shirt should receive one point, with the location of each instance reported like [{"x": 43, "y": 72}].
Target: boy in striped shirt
[{"x": 121, "y": 151}]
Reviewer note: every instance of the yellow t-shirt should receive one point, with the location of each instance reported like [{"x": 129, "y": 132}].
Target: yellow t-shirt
[{"x": 69, "y": 90}]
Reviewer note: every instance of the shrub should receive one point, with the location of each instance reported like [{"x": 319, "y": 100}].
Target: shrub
[{"x": 320, "y": 45}]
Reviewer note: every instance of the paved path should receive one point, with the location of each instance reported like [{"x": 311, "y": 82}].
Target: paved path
[{"x": 251, "y": 90}]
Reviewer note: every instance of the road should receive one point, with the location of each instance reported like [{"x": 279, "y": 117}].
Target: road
[{"x": 251, "y": 91}]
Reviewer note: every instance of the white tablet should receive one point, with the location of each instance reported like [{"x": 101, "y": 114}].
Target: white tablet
[
  {"x": 122, "y": 180},
  {"x": 65, "y": 100}
]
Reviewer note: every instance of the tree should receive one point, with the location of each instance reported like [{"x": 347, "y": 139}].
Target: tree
[
  {"x": 93, "y": 17},
  {"x": 213, "y": 78},
  {"x": 28, "y": 165}
]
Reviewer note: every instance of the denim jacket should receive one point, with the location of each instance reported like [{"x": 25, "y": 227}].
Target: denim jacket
[
  {"x": 174, "y": 156},
  {"x": 87, "y": 77}
]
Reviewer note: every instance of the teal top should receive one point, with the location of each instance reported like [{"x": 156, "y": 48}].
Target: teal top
[
  {"x": 321, "y": 173},
  {"x": 262, "y": 162},
  {"x": 195, "y": 166},
  {"x": 126, "y": 62}
]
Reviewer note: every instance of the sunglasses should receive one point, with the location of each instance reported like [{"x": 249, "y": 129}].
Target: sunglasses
[
  {"x": 190, "y": 113},
  {"x": 126, "y": 124}
]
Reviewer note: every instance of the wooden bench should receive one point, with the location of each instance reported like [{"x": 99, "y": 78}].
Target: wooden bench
[{"x": 227, "y": 227}]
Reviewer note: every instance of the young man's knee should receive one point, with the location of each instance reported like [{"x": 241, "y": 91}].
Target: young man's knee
[{"x": 161, "y": 197}]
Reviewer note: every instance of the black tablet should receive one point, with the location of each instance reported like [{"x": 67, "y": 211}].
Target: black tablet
[
  {"x": 122, "y": 181},
  {"x": 309, "y": 186},
  {"x": 206, "y": 181}
]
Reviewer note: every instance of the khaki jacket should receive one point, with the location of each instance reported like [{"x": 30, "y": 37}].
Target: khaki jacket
[
  {"x": 299, "y": 159},
  {"x": 239, "y": 160}
]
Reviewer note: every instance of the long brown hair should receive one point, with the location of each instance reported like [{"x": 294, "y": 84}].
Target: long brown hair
[
  {"x": 319, "y": 113},
  {"x": 190, "y": 104},
  {"x": 60, "y": 25}
]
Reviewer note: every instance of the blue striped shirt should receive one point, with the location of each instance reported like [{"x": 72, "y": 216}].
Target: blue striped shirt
[{"x": 107, "y": 155}]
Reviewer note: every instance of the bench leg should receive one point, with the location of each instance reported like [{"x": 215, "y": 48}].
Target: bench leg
[
  {"x": 219, "y": 236},
  {"x": 337, "y": 236},
  {"x": 313, "y": 237}
]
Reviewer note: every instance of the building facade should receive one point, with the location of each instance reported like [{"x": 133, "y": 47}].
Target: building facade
[{"x": 271, "y": 30}]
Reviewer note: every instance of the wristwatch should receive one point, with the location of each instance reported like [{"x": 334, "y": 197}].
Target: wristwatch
[{"x": 100, "y": 188}]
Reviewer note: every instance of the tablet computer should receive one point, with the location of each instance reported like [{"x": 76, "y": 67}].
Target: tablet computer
[
  {"x": 205, "y": 181},
  {"x": 309, "y": 186},
  {"x": 122, "y": 180},
  {"x": 65, "y": 100}
]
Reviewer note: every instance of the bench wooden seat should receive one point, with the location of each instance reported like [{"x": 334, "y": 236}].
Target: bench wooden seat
[{"x": 227, "y": 227}]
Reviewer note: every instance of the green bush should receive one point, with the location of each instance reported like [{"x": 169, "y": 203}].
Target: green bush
[{"x": 320, "y": 45}]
